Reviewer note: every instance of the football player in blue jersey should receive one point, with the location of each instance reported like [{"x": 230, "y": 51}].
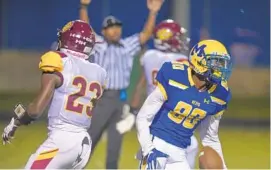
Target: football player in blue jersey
[{"x": 187, "y": 93}]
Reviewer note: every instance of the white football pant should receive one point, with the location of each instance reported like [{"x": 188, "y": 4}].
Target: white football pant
[
  {"x": 62, "y": 150},
  {"x": 192, "y": 152}
]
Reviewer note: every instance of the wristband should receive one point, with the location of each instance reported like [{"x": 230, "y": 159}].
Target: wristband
[
  {"x": 83, "y": 6},
  {"x": 22, "y": 115}
]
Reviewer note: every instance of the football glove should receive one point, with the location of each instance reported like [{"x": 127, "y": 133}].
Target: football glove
[
  {"x": 127, "y": 122},
  {"x": 21, "y": 118},
  {"x": 155, "y": 160},
  {"x": 9, "y": 131}
]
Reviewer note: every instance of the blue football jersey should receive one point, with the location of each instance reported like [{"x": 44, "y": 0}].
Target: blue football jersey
[{"x": 185, "y": 107}]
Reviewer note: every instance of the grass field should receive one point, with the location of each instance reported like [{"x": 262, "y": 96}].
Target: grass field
[{"x": 243, "y": 148}]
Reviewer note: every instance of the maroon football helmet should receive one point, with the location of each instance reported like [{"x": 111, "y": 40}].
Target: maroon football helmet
[
  {"x": 77, "y": 36},
  {"x": 169, "y": 37}
]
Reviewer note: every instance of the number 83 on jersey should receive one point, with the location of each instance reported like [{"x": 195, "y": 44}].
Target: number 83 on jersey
[{"x": 186, "y": 115}]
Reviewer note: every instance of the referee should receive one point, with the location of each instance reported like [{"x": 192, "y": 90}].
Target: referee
[{"x": 116, "y": 55}]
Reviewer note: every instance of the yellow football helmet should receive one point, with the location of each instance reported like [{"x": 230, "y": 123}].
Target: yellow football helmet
[{"x": 211, "y": 59}]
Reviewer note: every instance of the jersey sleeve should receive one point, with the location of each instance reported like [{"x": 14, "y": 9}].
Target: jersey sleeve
[
  {"x": 145, "y": 117},
  {"x": 51, "y": 62},
  {"x": 132, "y": 44},
  {"x": 163, "y": 78}
]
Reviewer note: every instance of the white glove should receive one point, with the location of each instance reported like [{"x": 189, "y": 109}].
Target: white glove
[
  {"x": 9, "y": 131},
  {"x": 127, "y": 122}
]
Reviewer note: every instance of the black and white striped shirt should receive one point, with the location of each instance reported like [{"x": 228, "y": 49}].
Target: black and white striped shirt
[{"x": 117, "y": 60}]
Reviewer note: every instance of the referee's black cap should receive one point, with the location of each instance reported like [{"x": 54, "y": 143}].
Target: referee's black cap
[{"x": 111, "y": 21}]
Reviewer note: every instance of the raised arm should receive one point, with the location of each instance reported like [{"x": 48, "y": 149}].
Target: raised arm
[
  {"x": 141, "y": 84},
  {"x": 153, "y": 6},
  {"x": 83, "y": 12}
]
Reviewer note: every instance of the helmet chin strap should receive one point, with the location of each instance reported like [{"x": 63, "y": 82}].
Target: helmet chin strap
[{"x": 207, "y": 85}]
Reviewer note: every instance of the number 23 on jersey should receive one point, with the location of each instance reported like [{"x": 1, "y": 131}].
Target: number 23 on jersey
[{"x": 74, "y": 105}]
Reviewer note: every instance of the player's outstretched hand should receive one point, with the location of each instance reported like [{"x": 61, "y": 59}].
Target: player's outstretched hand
[
  {"x": 154, "y": 5},
  {"x": 85, "y": 2},
  {"x": 9, "y": 131},
  {"x": 153, "y": 162}
]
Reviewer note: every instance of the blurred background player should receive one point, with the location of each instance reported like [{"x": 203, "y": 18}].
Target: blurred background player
[
  {"x": 186, "y": 94},
  {"x": 72, "y": 91},
  {"x": 171, "y": 44},
  {"x": 116, "y": 56}
]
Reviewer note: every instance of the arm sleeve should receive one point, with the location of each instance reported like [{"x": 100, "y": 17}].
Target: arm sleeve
[
  {"x": 132, "y": 44},
  {"x": 145, "y": 117},
  {"x": 51, "y": 62},
  {"x": 209, "y": 135}
]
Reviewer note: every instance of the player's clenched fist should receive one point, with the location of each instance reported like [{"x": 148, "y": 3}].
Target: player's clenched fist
[{"x": 154, "y": 5}]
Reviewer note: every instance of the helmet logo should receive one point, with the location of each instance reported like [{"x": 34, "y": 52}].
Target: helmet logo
[
  {"x": 199, "y": 50},
  {"x": 67, "y": 26},
  {"x": 164, "y": 34}
]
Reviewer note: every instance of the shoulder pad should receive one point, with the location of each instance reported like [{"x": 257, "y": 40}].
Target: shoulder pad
[
  {"x": 225, "y": 85},
  {"x": 176, "y": 65},
  {"x": 149, "y": 54},
  {"x": 164, "y": 73},
  {"x": 162, "y": 78},
  {"x": 167, "y": 66},
  {"x": 52, "y": 61},
  {"x": 169, "y": 69},
  {"x": 181, "y": 74},
  {"x": 221, "y": 94}
]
